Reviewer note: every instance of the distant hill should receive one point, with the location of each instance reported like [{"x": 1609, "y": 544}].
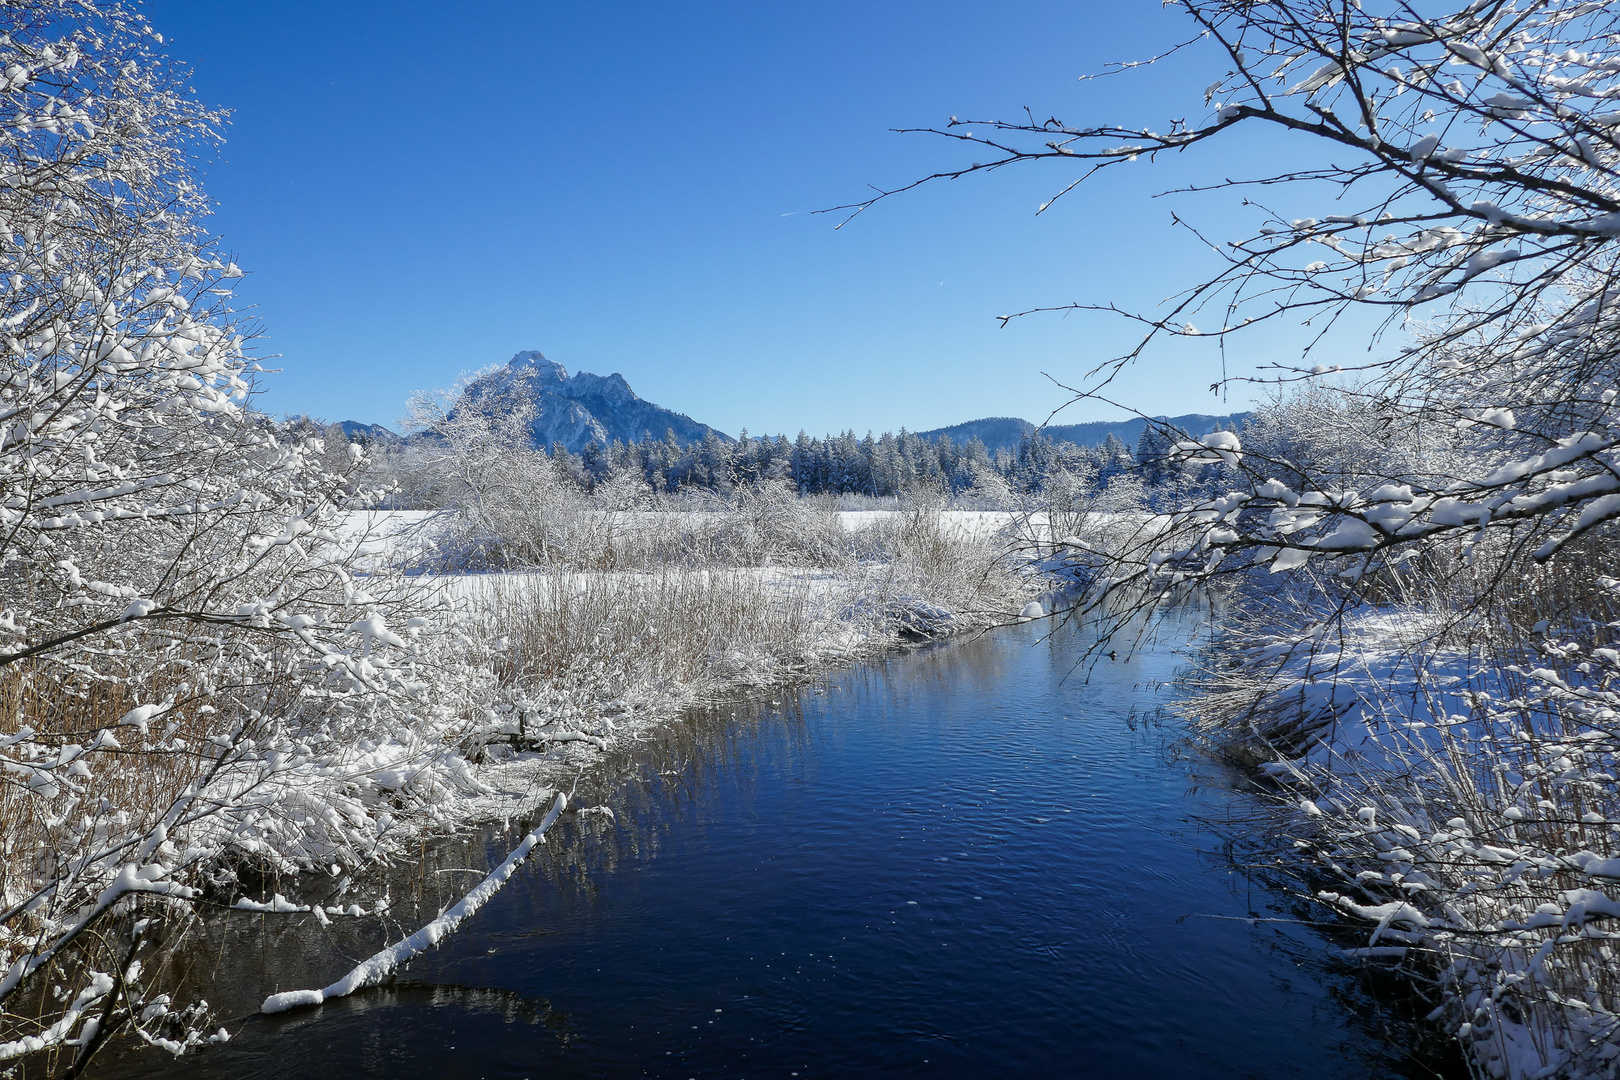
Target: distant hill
[
  {"x": 369, "y": 434},
  {"x": 993, "y": 431},
  {"x": 1006, "y": 432}
]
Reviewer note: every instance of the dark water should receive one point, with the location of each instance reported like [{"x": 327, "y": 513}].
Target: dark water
[{"x": 961, "y": 862}]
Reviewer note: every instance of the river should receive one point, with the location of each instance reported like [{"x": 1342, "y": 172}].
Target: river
[{"x": 972, "y": 859}]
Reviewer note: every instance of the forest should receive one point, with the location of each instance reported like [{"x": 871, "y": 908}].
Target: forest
[{"x": 886, "y": 467}]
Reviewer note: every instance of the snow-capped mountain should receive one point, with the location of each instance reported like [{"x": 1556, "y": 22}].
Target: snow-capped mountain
[{"x": 575, "y": 410}]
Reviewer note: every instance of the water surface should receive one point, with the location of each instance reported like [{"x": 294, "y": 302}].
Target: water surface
[{"x": 969, "y": 860}]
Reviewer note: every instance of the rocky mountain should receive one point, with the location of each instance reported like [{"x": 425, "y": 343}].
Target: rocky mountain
[
  {"x": 370, "y": 434},
  {"x": 1005, "y": 432},
  {"x": 575, "y": 410}
]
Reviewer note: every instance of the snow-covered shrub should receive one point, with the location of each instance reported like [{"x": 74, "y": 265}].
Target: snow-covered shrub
[
  {"x": 191, "y": 671},
  {"x": 1346, "y": 435},
  {"x": 770, "y": 524},
  {"x": 514, "y": 506},
  {"x": 1457, "y": 785},
  {"x": 920, "y": 560},
  {"x": 986, "y": 489}
]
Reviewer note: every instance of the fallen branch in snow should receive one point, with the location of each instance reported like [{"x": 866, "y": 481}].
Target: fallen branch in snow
[{"x": 373, "y": 970}]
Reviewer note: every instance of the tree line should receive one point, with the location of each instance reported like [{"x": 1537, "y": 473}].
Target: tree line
[{"x": 882, "y": 466}]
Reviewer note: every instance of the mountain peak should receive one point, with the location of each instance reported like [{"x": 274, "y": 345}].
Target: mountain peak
[
  {"x": 611, "y": 388},
  {"x": 532, "y": 363},
  {"x": 574, "y": 410}
]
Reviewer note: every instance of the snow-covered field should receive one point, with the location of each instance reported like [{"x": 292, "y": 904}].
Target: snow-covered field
[
  {"x": 398, "y": 532},
  {"x": 967, "y": 524},
  {"x": 388, "y": 537}
]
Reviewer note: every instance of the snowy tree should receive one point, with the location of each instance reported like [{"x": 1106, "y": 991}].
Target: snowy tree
[
  {"x": 1152, "y": 446},
  {"x": 185, "y": 641},
  {"x": 511, "y": 503},
  {"x": 1479, "y": 196}
]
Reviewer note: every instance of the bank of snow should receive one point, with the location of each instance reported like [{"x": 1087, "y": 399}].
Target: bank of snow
[{"x": 1459, "y": 802}]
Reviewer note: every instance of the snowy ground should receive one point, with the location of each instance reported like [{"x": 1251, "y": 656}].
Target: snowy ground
[{"x": 979, "y": 524}]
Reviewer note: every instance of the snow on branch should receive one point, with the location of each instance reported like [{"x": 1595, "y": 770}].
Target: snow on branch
[
  {"x": 1482, "y": 150},
  {"x": 373, "y": 970}
]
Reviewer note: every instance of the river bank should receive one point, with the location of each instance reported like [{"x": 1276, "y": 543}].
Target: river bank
[{"x": 1447, "y": 786}]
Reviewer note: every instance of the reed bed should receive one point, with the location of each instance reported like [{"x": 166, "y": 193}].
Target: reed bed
[{"x": 576, "y": 654}]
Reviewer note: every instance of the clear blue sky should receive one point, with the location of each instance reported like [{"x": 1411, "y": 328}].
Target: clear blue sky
[{"x": 422, "y": 189}]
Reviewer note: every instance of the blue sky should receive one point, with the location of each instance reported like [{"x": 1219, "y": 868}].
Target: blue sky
[{"x": 419, "y": 190}]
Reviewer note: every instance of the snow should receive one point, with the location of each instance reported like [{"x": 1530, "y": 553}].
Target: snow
[
  {"x": 388, "y": 537},
  {"x": 1425, "y": 771}
]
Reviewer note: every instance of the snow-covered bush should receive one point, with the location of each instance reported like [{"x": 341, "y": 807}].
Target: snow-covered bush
[
  {"x": 1456, "y": 783},
  {"x": 767, "y": 524},
  {"x": 191, "y": 673},
  {"x": 514, "y": 505},
  {"x": 916, "y": 557}
]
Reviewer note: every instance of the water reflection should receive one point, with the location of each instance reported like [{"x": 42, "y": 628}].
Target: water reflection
[{"x": 963, "y": 860}]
